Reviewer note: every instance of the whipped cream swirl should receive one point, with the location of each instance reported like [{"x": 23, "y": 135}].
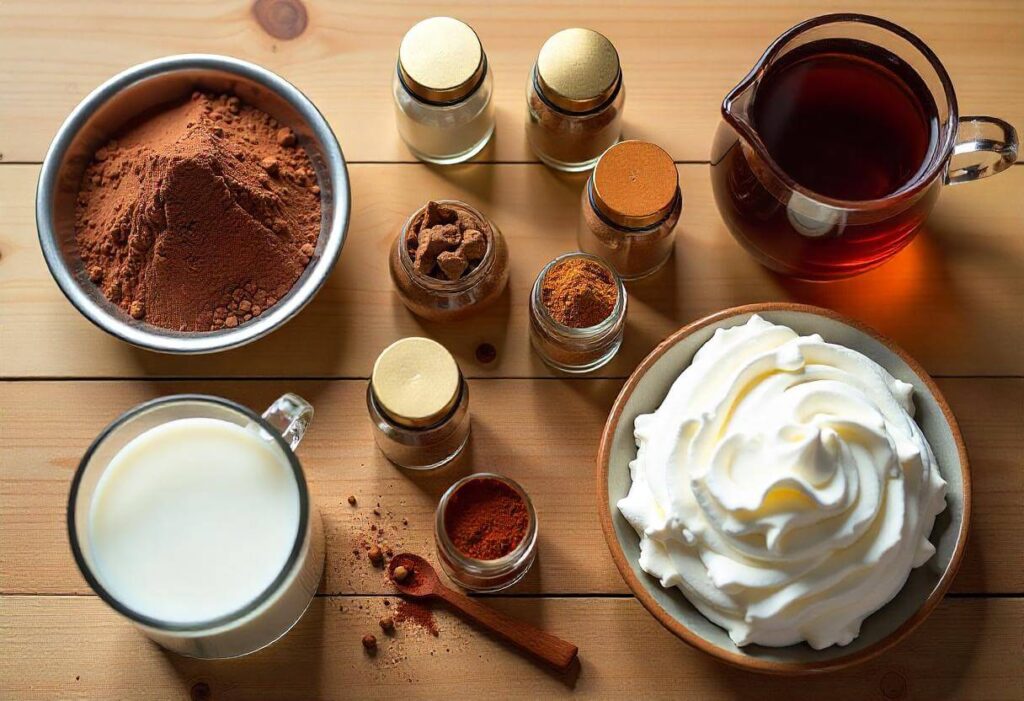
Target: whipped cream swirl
[{"x": 783, "y": 486}]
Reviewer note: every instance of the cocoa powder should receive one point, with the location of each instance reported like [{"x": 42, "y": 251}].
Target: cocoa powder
[
  {"x": 199, "y": 216},
  {"x": 579, "y": 293}
]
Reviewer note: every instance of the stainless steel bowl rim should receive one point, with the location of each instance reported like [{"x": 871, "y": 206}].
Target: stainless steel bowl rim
[{"x": 208, "y": 342}]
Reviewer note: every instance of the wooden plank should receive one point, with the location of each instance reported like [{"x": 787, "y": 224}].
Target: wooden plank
[
  {"x": 968, "y": 649},
  {"x": 679, "y": 58},
  {"x": 952, "y": 299},
  {"x": 541, "y": 433}
]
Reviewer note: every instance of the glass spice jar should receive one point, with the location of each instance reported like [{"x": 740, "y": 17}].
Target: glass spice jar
[
  {"x": 630, "y": 208},
  {"x": 429, "y": 293},
  {"x": 570, "y": 347},
  {"x": 442, "y": 90},
  {"x": 418, "y": 402},
  {"x": 471, "y": 500},
  {"x": 574, "y": 99}
]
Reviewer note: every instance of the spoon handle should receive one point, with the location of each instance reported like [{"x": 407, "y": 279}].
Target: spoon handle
[{"x": 545, "y": 647}]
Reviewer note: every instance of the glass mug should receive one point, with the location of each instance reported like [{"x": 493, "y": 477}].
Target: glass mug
[
  {"x": 799, "y": 231},
  {"x": 268, "y": 475}
]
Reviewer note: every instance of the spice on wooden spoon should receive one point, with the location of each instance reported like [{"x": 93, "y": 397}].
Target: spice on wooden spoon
[{"x": 421, "y": 582}]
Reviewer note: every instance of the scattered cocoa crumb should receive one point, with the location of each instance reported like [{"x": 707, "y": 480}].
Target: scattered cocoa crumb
[
  {"x": 417, "y": 613},
  {"x": 369, "y": 642},
  {"x": 486, "y": 353},
  {"x": 376, "y": 556},
  {"x": 376, "y": 512},
  {"x": 387, "y": 624},
  {"x": 352, "y": 501}
]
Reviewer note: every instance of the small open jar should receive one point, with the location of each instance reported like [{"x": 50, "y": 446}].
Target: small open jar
[
  {"x": 630, "y": 208},
  {"x": 577, "y": 313},
  {"x": 486, "y": 532},
  {"x": 442, "y": 89},
  {"x": 448, "y": 261},
  {"x": 574, "y": 100},
  {"x": 418, "y": 402}
]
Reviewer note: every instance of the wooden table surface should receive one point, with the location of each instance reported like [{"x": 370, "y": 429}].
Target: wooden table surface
[{"x": 952, "y": 299}]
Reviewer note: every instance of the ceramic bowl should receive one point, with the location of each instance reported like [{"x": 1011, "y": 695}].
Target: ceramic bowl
[
  {"x": 644, "y": 392},
  {"x": 123, "y": 98}
]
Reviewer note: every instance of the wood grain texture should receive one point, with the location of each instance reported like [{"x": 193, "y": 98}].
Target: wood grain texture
[
  {"x": 969, "y": 649},
  {"x": 679, "y": 58},
  {"x": 952, "y": 299},
  {"x": 543, "y": 434}
]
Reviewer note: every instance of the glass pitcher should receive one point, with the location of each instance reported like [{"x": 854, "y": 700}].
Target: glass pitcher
[{"x": 825, "y": 232}]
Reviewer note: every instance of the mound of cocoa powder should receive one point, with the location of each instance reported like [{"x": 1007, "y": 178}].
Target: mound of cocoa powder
[{"x": 199, "y": 216}]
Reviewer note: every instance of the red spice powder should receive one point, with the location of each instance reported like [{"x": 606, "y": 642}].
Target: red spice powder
[
  {"x": 417, "y": 613},
  {"x": 486, "y": 519}
]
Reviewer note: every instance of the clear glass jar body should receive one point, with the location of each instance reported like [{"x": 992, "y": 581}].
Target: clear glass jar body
[
  {"x": 282, "y": 604},
  {"x": 572, "y": 350},
  {"x": 450, "y": 300},
  {"x": 421, "y": 448},
  {"x": 485, "y": 575},
  {"x": 445, "y": 133},
  {"x": 567, "y": 141},
  {"x": 634, "y": 253}
]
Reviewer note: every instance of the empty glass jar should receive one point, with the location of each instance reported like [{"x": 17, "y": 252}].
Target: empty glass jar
[{"x": 442, "y": 89}]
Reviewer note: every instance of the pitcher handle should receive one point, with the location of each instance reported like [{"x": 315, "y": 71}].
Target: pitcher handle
[
  {"x": 985, "y": 146},
  {"x": 291, "y": 416}
]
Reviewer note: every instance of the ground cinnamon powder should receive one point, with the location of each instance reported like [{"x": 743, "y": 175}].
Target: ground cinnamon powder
[
  {"x": 579, "y": 292},
  {"x": 200, "y": 216},
  {"x": 486, "y": 519}
]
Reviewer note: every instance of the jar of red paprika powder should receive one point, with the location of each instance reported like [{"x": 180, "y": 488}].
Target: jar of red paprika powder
[{"x": 486, "y": 532}]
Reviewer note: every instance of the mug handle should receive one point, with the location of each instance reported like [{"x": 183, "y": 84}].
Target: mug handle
[
  {"x": 291, "y": 416},
  {"x": 995, "y": 141}
]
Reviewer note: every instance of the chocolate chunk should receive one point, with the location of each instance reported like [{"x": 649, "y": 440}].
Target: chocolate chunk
[
  {"x": 438, "y": 214},
  {"x": 474, "y": 245},
  {"x": 452, "y": 264}
]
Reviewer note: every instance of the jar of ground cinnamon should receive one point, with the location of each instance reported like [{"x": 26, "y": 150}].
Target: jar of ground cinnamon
[
  {"x": 418, "y": 403},
  {"x": 485, "y": 529},
  {"x": 577, "y": 313},
  {"x": 630, "y": 208},
  {"x": 449, "y": 261},
  {"x": 574, "y": 100}
]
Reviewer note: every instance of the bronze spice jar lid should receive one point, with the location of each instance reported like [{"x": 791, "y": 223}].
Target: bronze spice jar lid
[
  {"x": 635, "y": 184},
  {"x": 578, "y": 70}
]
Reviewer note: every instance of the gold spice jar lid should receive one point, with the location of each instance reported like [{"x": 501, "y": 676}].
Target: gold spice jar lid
[
  {"x": 635, "y": 184},
  {"x": 578, "y": 69},
  {"x": 441, "y": 60},
  {"x": 416, "y": 381}
]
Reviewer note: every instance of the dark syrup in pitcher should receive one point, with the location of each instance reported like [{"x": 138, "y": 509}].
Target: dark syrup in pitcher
[{"x": 846, "y": 120}]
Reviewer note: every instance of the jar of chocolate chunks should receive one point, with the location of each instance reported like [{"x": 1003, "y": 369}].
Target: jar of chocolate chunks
[
  {"x": 577, "y": 313},
  {"x": 630, "y": 208},
  {"x": 574, "y": 100},
  {"x": 442, "y": 90},
  {"x": 418, "y": 403},
  {"x": 448, "y": 261}
]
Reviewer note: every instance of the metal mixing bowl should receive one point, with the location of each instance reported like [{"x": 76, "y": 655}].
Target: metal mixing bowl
[{"x": 125, "y": 96}]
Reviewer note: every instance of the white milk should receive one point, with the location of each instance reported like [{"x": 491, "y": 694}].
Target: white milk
[{"x": 193, "y": 519}]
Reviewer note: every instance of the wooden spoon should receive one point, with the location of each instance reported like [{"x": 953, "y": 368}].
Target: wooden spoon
[{"x": 422, "y": 582}]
